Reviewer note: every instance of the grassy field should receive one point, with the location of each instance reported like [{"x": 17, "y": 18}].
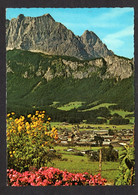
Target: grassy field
[
  {"x": 99, "y": 106},
  {"x": 70, "y": 106},
  {"x": 74, "y": 163},
  {"x": 121, "y": 112}
]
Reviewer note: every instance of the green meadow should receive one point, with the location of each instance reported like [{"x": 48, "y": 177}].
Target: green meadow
[{"x": 74, "y": 163}]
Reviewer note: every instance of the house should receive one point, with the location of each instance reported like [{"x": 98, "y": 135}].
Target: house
[
  {"x": 70, "y": 150},
  {"x": 101, "y": 131},
  {"x": 109, "y": 137},
  {"x": 64, "y": 142},
  {"x": 122, "y": 144},
  {"x": 106, "y": 143}
]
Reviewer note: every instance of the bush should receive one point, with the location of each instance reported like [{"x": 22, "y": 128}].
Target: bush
[
  {"x": 52, "y": 176},
  {"x": 109, "y": 154},
  {"x": 94, "y": 156},
  {"x": 29, "y": 141}
]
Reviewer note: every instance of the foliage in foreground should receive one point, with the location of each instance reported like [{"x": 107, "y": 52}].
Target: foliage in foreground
[
  {"x": 29, "y": 141},
  {"x": 126, "y": 175},
  {"x": 52, "y": 176}
]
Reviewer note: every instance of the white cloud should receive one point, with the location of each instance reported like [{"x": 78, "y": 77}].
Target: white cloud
[
  {"x": 123, "y": 33},
  {"x": 114, "y": 40},
  {"x": 105, "y": 20},
  {"x": 114, "y": 13}
]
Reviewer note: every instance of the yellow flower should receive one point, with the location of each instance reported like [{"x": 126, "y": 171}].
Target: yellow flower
[
  {"x": 16, "y": 120},
  {"x": 10, "y": 152},
  {"x": 42, "y": 145},
  {"x": 11, "y": 155},
  {"x": 28, "y": 127},
  {"x": 13, "y": 113},
  {"x": 51, "y": 135},
  {"x": 8, "y": 115},
  {"x": 19, "y": 128},
  {"x": 22, "y": 118},
  {"x": 14, "y": 131},
  {"x": 37, "y": 112},
  {"x": 49, "y": 118},
  {"x": 43, "y": 111},
  {"x": 29, "y": 116},
  {"x": 43, "y": 115},
  {"x": 13, "y": 152},
  {"x": 53, "y": 129}
]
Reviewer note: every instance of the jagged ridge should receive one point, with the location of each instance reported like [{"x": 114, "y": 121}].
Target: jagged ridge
[{"x": 46, "y": 35}]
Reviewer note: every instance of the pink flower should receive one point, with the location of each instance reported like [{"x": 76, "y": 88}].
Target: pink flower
[
  {"x": 52, "y": 176},
  {"x": 38, "y": 179},
  {"x": 33, "y": 184},
  {"x": 58, "y": 183}
]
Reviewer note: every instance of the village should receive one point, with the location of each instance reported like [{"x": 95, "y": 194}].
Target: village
[{"x": 94, "y": 136}]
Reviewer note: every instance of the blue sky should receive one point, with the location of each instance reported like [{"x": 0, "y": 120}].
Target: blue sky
[{"x": 114, "y": 26}]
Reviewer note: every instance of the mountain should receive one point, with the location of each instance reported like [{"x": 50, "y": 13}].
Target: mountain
[
  {"x": 48, "y": 67},
  {"x": 44, "y": 34}
]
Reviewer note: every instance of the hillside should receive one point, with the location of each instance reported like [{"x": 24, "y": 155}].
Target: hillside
[{"x": 36, "y": 80}]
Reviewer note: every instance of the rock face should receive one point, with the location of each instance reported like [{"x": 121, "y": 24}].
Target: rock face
[
  {"x": 48, "y": 36},
  {"x": 50, "y": 67},
  {"x": 119, "y": 67}
]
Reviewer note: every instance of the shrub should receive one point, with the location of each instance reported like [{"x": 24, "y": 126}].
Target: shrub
[
  {"x": 29, "y": 141},
  {"x": 109, "y": 154},
  {"x": 126, "y": 174}
]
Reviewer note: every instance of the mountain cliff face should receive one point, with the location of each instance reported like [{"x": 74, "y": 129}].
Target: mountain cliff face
[
  {"x": 30, "y": 64},
  {"x": 48, "y": 36}
]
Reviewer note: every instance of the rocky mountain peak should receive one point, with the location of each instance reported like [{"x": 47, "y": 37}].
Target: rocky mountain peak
[
  {"x": 48, "y": 16},
  {"x": 45, "y": 35}
]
